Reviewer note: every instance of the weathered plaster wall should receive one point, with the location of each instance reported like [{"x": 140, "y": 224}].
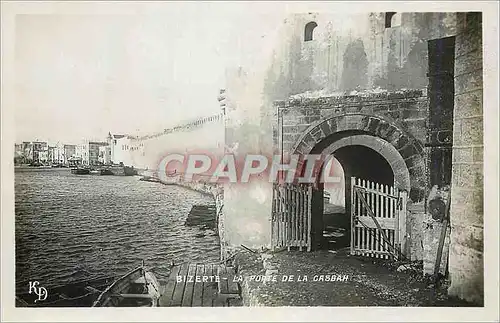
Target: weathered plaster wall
[
  {"x": 466, "y": 251},
  {"x": 246, "y": 205},
  {"x": 355, "y": 52}
]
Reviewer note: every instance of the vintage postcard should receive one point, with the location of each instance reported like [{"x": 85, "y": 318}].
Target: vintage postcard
[{"x": 249, "y": 161}]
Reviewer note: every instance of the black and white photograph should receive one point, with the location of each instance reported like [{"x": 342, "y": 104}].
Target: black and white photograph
[{"x": 220, "y": 155}]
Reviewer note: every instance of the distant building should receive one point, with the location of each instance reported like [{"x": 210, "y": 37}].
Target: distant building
[
  {"x": 69, "y": 151},
  {"x": 43, "y": 156},
  {"x": 93, "y": 153},
  {"x": 40, "y": 151},
  {"x": 59, "y": 153},
  {"x": 27, "y": 151},
  {"x": 82, "y": 151},
  {"x": 51, "y": 154},
  {"x": 105, "y": 155},
  {"x": 120, "y": 147},
  {"x": 18, "y": 150},
  {"x": 18, "y": 154}
]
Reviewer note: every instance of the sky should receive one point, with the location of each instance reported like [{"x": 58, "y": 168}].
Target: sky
[{"x": 80, "y": 76}]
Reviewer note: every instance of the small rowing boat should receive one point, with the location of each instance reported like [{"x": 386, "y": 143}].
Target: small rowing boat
[{"x": 138, "y": 288}]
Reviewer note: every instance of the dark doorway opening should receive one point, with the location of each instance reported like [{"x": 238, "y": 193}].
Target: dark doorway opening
[
  {"x": 331, "y": 223},
  {"x": 441, "y": 92}
]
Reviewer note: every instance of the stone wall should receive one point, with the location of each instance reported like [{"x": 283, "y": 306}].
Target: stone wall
[
  {"x": 205, "y": 135},
  {"x": 466, "y": 250},
  {"x": 354, "y": 52},
  {"x": 393, "y": 123}
]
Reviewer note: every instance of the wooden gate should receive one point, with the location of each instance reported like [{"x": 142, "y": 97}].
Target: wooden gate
[
  {"x": 378, "y": 220},
  {"x": 291, "y": 216}
]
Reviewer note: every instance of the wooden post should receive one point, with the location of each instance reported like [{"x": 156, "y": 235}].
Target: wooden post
[
  {"x": 397, "y": 215},
  {"x": 300, "y": 218},
  {"x": 290, "y": 215},
  {"x": 402, "y": 222},
  {"x": 442, "y": 237},
  {"x": 353, "y": 217},
  {"x": 273, "y": 219},
  {"x": 309, "y": 205}
]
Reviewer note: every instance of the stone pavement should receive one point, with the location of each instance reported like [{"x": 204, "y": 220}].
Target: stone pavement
[{"x": 370, "y": 282}]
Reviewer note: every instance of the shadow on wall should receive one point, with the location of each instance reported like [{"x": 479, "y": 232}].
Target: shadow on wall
[
  {"x": 355, "y": 71},
  {"x": 297, "y": 79},
  {"x": 412, "y": 73}
]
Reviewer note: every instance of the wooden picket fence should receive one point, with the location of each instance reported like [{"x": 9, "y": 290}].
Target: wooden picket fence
[
  {"x": 291, "y": 216},
  {"x": 378, "y": 220}
]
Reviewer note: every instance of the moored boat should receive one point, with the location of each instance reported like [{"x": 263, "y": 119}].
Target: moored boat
[
  {"x": 119, "y": 171},
  {"x": 138, "y": 288},
  {"x": 129, "y": 171},
  {"x": 150, "y": 179},
  {"x": 106, "y": 171},
  {"x": 80, "y": 171}
]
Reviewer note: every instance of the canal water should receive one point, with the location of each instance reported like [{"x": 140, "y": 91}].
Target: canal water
[{"x": 72, "y": 227}]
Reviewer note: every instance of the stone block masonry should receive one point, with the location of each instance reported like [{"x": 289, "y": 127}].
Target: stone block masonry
[
  {"x": 406, "y": 108},
  {"x": 466, "y": 250}
]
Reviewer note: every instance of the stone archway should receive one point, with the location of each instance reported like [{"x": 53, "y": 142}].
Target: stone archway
[
  {"x": 403, "y": 152},
  {"x": 386, "y": 150}
]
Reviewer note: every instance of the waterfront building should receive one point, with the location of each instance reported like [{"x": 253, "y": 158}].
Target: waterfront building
[
  {"x": 120, "y": 147},
  {"x": 104, "y": 155},
  {"x": 27, "y": 151},
  {"x": 82, "y": 152},
  {"x": 59, "y": 153},
  {"x": 51, "y": 154},
  {"x": 93, "y": 151},
  {"x": 43, "y": 156},
  {"x": 19, "y": 154},
  {"x": 40, "y": 151},
  {"x": 69, "y": 151}
]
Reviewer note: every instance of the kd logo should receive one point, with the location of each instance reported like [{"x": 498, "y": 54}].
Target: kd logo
[{"x": 41, "y": 292}]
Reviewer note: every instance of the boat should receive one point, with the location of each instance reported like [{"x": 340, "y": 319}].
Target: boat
[
  {"x": 150, "y": 179},
  {"x": 82, "y": 293},
  {"x": 119, "y": 171},
  {"x": 129, "y": 171},
  {"x": 80, "y": 171},
  {"x": 106, "y": 171},
  {"x": 95, "y": 172},
  {"x": 138, "y": 288}
]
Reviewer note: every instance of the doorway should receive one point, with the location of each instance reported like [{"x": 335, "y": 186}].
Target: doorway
[{"x": 331, "y": 212}]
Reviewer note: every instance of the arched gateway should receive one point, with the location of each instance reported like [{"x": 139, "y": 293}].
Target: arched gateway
[{"x": 381, "y": 155}]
